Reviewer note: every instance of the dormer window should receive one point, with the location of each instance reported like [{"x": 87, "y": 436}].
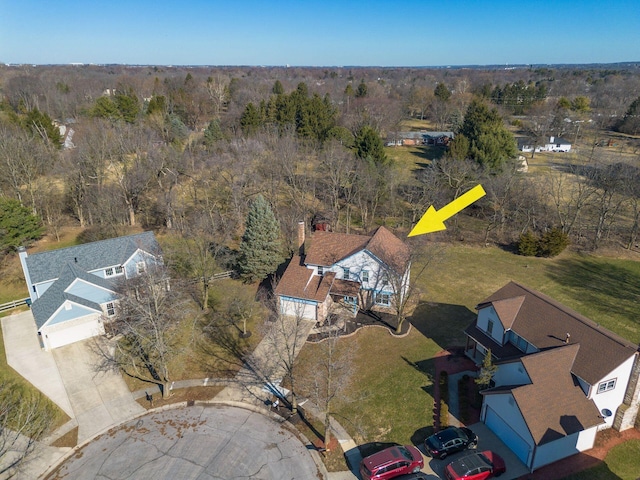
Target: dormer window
[{"x": 109, "y": 272}]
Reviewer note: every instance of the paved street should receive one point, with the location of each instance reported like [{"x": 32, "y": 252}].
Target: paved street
[{"x": 203, "y": 442}]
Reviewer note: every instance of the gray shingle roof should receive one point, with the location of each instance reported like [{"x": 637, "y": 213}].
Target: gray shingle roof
[
  {"x": 45, "y": 266},
  {"x": 55, "y": 296}
]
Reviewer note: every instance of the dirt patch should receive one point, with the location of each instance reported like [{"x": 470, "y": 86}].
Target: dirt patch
[{"x": 69, "y": 439}]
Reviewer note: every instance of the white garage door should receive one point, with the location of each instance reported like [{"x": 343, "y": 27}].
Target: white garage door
[
  {"x": 508, "y": 435},
  {"x": 299, "y": 308},
  {"x": 70, "y": 332}
]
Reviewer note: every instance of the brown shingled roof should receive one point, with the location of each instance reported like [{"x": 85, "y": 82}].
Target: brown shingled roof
[
  {"x": 298, "y": 281},
  {"x": 327, "y": 248},
  {"x": 544, "y": 323},
  {"x": 508, "y": 309},
  {"x": 554, "y": 405}
]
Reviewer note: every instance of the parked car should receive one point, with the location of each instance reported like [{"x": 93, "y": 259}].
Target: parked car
[
  {"x": 450, "y": 440},
  {"x": 476, "y": 466},
  {"x": 391, "y": 462}
]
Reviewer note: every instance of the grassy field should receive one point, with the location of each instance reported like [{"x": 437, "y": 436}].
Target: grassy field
[
  {"x": 391, "y": 397},
  {"x": 621, "y": 463}
]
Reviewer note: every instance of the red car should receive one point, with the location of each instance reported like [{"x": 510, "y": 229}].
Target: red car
[
  {"x": 391, "y": 462},
  {"x": 476, "y": 466}
]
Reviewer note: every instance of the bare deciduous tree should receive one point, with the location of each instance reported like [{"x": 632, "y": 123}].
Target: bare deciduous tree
[
  {"x": 146, "y": 327},
  {"x": 283, "y": 339},
  {"x": 329, "y": 377},
  {"x": 24, "y": 419}
]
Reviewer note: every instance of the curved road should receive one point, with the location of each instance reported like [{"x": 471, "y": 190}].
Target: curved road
[{"x": 203, "y": 442}]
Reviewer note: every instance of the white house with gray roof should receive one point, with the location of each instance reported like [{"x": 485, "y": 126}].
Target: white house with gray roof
[{"x": 73, "y": 289}]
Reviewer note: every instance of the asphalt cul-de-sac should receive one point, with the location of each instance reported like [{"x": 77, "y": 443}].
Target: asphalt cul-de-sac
[{"x": 204, "y": 442}]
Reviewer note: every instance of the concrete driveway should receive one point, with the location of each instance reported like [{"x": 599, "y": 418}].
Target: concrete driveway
[
  {"x": 203, "y": 442},
  {"x": 26, "y": 357},
  {"x": 99, "y": 400},
  {"x": 487, "y": 440},
  {"x": 66, "y": 375}
]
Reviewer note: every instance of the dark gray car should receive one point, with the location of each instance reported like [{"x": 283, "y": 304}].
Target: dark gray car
[{"x": 450, "y": 440}]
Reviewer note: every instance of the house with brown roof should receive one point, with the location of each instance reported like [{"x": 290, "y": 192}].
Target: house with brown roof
[
  {"x": 560, "y": 378},
  {"x": 368, "y": 272}
]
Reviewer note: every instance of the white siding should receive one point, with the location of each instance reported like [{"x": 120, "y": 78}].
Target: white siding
[
  {"x": 486, "y": 314},
  {"x": 612, "y": 399},
  {"x": 564, "y": 447},
  {"x": 553, "y": 451},
  {"x": 61, "y": 334},
  {"x": 511, "y": 374}
]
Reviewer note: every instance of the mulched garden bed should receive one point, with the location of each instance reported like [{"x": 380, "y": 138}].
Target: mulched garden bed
[{"x": 366, "y": 319}]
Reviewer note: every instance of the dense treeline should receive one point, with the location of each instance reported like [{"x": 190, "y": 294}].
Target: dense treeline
[{"x": 188, "y": 149}]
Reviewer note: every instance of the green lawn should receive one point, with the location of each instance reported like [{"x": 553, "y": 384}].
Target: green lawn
[
  {"x": 621, "y": 463},
  {"x": 391, "y": 397}
]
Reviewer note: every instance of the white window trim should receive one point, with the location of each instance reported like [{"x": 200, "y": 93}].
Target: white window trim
[
  {"x": 346, "y": 273},
  {"x": 607, "y": 385},
  {"x": 379, "y": 297}
]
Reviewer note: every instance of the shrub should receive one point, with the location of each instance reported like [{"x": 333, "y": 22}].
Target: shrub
[
  {"x": 553, "y": 242},
  {"x": 444, "y": 414},
  {"x": 528, "y": 244},
  {"x": 444, "y": 386},
  {"x": 549, "y": 244}
]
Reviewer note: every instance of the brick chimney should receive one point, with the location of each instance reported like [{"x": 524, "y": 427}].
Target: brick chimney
[{"x": 301, "y": 238}]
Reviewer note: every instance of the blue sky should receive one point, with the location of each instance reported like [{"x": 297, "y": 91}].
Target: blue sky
[{"x": 319, "y": 33}]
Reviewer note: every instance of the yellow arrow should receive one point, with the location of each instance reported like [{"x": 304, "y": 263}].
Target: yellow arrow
[{"x": 433, "y": 220}]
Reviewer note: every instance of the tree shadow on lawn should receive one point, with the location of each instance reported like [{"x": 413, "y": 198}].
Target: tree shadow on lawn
[
  {"x": 605, "y": 286},
  {"x": 442, "y": 322}
]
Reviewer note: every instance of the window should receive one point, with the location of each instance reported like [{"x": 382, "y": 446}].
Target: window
[
  {"x": 350, "y": 299},
  {"x": 385, "y": 279},
  {"x": 383, "y": 299},
  {"x": 320, "y": 270},
  {"x": 119, "y": 270},
  {"x": 365, "y": 276},
  {"x": 140, "y": 267},
  {"x": 108, "y": 272},
  {"x": 111, "y": 309},
  {"x": 490, "y": 327},
  {"x": 606, "y": 386},
  {"x": 345, "y": 273}
]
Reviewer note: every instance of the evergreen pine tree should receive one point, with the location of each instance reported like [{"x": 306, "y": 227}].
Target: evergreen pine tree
[
  {"x": 491, "y": 144},
  {"x": 369, "y": 146},
  {"x": 260, "y": 248},
  {"x": 18, "y": 225}
]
